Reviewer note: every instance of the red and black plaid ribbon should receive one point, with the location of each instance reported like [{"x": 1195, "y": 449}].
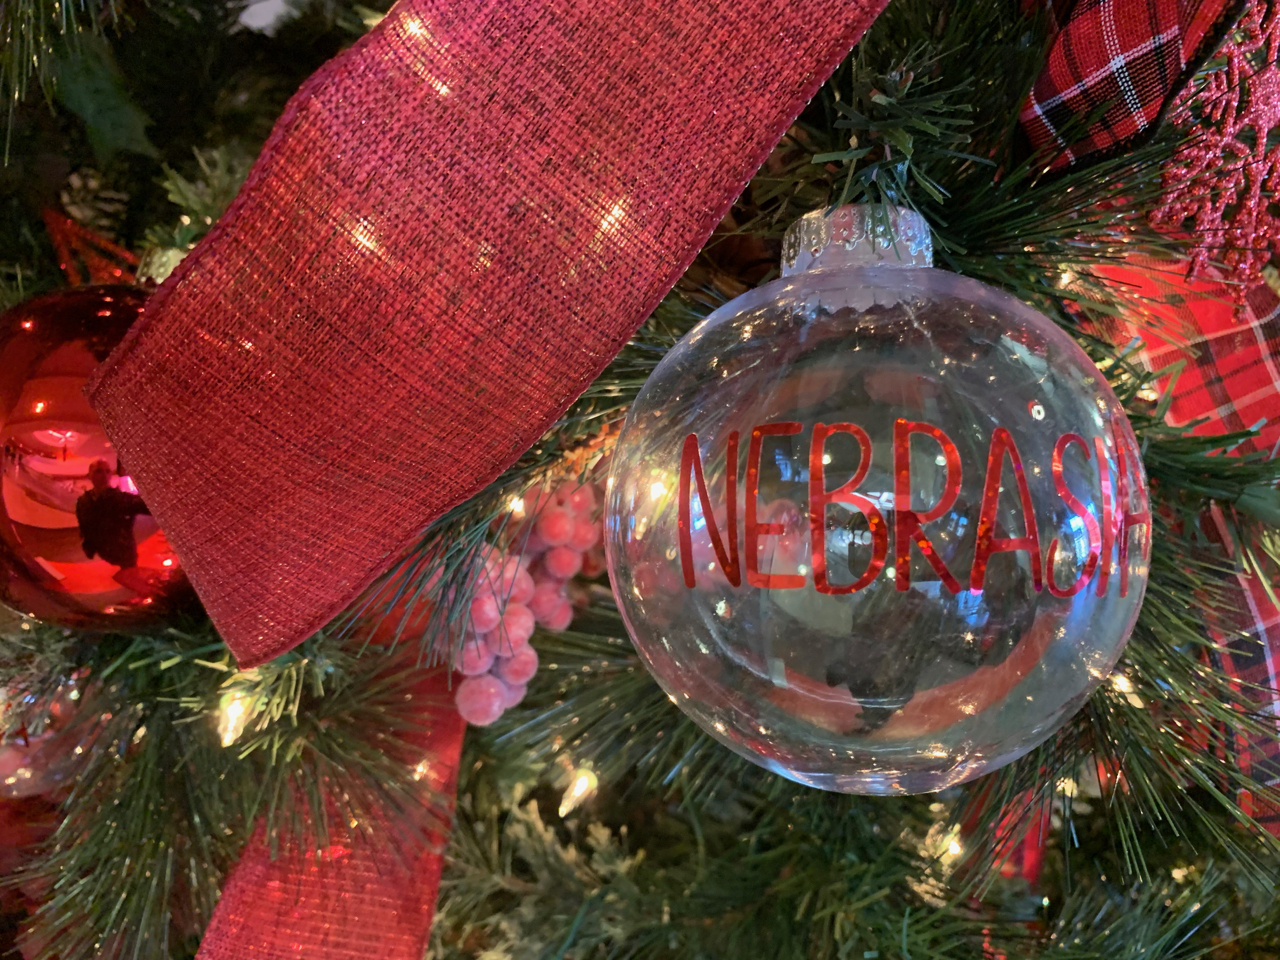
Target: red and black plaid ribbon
[
  {"x": 1230, "y": 382},
  {"x": 1114, "y": 68},
  {"x": 1247, "y": 637}
]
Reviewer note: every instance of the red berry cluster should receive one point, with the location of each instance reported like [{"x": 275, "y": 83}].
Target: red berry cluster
[{"x": 559, "y": 539}]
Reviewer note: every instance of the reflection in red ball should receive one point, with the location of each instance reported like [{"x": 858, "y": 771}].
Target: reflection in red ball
[{"x": 78, "y": 546}]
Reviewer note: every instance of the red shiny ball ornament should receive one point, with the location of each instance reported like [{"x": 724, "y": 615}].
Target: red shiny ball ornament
[{"x": 78, "y": 546}]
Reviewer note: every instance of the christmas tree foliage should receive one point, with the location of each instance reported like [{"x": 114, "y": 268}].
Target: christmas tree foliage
[{"x": 594, "y": 819}]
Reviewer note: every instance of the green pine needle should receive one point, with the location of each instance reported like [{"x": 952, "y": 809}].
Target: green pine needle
[{"x": 159, "y": 808}]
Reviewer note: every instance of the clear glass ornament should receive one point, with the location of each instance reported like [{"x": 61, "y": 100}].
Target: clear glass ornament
[{"x": 934, "y": 540}]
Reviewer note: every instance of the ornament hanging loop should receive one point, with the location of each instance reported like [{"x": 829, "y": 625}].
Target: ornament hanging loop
[{"x": 857, "y": 235}]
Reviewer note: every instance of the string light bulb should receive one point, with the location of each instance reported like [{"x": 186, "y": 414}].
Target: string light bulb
[
  {"x": 582, "y": 789},
  {"x": 612, "y": 220},
  {"x": 232, "y": 719},
  {"x": 1124, "y": 685},
  {"x": 943, "y": 844}
]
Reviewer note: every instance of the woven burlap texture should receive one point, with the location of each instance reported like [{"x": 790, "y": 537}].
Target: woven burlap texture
[{"x": 453, "y": 228}]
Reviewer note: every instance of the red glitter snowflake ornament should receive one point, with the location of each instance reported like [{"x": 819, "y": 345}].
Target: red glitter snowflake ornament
[{"x": 1221, "y": 186}]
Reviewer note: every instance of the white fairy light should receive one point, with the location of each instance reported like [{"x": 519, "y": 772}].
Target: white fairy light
[
  {"x": 231, "y": 720},
  {"x": 582, "y": 789}
]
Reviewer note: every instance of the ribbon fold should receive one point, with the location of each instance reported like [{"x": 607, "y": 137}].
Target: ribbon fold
[
  {"x": 453, "y": 228},
  {"x": 1114, "y": 69}
]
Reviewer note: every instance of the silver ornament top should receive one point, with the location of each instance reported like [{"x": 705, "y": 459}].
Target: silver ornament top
[{"x": 857, "y": 235}]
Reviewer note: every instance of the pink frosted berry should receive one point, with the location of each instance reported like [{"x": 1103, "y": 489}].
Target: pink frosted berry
[
  {"x": 490, "y": 561},
  {"x": 585, "y": 535},
  {"x": 560, "y": 617},
  {"x": 516, "y": 629},
  {"x": 505, "y": 578},
  {"x": 517, "y": 668},
  {"x": 593, "y": 563},
  {"x": 580, "y": 498},
  {"x": 562, "y": 562},
  {"x": 531, "y": 545},
  {"x": 525, "y": 540},
  {"x": 546, "y": 599},
  {"x": 522, "y": 589},
  {"x": 555, "y": 526},
  {"x": 477, "y": 657},
  {"x": 536, "y": 499},
  {"x": 485, "y": 613},
  {"x": 480, "y": 699},
  {"x": 515, "y": 693},
  {"x": 484, "y": 581}
]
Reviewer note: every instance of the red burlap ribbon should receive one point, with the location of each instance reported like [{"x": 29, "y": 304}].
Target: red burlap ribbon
[
  {"x": 1114, "y": 69},
  {"x": 454, "y": 226},
  {"x": 372, "y": 893}
]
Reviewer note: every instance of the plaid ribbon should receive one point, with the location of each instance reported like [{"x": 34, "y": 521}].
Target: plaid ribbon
[
  {"x": 1231, "y": 377},
  {"x": 1247, "y": 635},
  {"x": 1230, "y": 382},
  {"x": 1114, "y": 68}
]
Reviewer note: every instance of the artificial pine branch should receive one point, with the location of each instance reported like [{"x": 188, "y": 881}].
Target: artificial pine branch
[
  {"x": 160, "y": 807},
  {"x": 731, "y": 853},
  {"x": 802, "y": 874},
  {"x": 202, "y": 200},
  {"x": 33, "y": 32}
]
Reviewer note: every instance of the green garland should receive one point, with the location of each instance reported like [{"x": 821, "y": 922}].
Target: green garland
[
  {"x": 165, "y": 795},
  {"x": 688, "y": 851}
]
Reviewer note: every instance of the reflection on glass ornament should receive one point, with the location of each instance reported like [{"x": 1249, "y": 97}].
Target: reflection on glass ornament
[
  {"x": 877, "y": 527},
  {"x": 46, "y": 761},
  {"x": 78, "y": 546}
]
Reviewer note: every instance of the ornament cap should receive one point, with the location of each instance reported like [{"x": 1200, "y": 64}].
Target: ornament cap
[{"x": 857, "y": 235}]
